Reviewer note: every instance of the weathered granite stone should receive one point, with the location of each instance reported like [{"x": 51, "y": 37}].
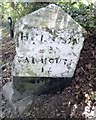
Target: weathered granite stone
[{"x": 48, "y": 44}]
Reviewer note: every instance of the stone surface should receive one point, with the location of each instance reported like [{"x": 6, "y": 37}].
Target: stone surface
[
  {"x": 19, "y": 107},
  {"x": 48, "y": 44},
  {"x": 8, "y": 91}
]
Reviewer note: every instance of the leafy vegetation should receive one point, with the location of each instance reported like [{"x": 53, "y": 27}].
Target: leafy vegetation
[{"x": 85, "y": 15}]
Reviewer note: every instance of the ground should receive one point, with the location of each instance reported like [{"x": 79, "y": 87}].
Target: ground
[{"x": 71, "y": 101}]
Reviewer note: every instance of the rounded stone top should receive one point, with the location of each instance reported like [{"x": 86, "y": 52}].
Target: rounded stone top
[{"x": 51, "y": 16}]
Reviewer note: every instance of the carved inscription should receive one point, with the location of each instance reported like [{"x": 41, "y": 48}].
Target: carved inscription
[
  {"x": 59, "y": 36},
  {"x": 44, "y": 61},
  {"x": 44, "y": 52}
]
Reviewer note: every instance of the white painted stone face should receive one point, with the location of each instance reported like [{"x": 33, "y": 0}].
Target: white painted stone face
[{"x": 48, "y": 44}]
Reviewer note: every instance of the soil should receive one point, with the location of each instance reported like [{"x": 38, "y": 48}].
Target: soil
[{"x": 61, "y": 103}]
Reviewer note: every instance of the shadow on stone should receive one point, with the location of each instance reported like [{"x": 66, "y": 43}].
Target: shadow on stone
[{"x": 40, "y": 85}]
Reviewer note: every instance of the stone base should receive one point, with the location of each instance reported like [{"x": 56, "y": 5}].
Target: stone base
[
  {"x": 19, "y": 107},
  {"x": 21, "y": 99}
]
